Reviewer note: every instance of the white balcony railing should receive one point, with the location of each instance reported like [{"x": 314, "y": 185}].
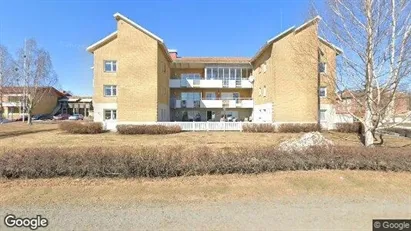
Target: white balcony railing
[
  {"x": 213, "y": 103},
  {"x": 209, "y": 83}
]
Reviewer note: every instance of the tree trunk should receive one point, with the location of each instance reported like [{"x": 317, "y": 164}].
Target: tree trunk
[{"x": 368, "y": 129}]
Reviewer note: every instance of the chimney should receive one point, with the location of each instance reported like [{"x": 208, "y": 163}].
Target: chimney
[{"x": 173, "y": 53}]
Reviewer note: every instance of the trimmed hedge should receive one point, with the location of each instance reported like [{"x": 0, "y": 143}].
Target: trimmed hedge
[
  {"x": 75, "y": 127},
  {"x": 264, "y": 128},
  {"x": 176, "y": 161},
  {"x": 147, "y": 129},
  {"x": 297, "y": 128},
  {"x": 349, "y": 127}
]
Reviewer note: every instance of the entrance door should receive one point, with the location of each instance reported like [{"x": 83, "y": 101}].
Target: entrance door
[{"x": 210, "y": 115}]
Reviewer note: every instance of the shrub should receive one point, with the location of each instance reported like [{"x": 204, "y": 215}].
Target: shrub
[
  {"x": 147, "y": 129},
  {"x": 297, "y": 128},
  {"x": 75, "y": 127},
  {"x": 349, "y": 127},
  {"x": 175, "y": 161},
  {"x": 400, "y": 131},
  {"x": 251, "y": 127}
]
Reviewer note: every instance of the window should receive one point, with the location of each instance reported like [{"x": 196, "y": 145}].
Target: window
[
  {"x": 191, "y": 76},
  {"x": 322, "y": 67},
  {"x": 15, "y": 98},
  {"x": 110, "y": 114},
  {"x": 323, "y": 92},
  {"x": 110, "y": 66},
  {"x": 322, "y": 115},
  {"x": 110, "y": 90},
  {"x": 265, "y": 92},
  {"x": 210, "y": 95}
]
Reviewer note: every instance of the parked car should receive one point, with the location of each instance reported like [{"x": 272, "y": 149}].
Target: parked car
[
  {"x": 61, "y": 117},
  {"x": 76, "y": 117},
  {"x": 38, "y": 117},
  {"x": 21, "y": 118}
]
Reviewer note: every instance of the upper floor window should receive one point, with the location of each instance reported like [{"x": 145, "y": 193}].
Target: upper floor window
[
  {"x": 191, "y": 76},
  {"x": 110, "y": 90},
  {"x": 110, "y": 66},
  {"x": 322, "y": 67},
  {"x": 323, "y": 92}
]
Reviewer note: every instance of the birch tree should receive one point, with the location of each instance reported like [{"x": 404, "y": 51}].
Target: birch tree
[
  {"x": 375, "y": 37},
  {"x": 6, "y": 74},
  {"x": 36, "y": 75}
]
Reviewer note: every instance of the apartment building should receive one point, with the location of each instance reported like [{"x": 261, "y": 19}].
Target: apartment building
[
  {"x": 291, "y": 78},
  {"x": 13, "y": 101}
]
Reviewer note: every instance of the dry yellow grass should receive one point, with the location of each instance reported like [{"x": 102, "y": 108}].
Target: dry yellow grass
[
  {"x": 278, "y": 185},
  {"x": 20, "y": 135}
]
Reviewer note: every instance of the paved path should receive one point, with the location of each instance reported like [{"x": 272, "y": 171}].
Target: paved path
[{"x": 309, "y": 213}]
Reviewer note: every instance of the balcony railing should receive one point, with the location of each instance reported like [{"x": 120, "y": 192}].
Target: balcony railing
[
  {"x": 212, "y": 103},
  {"x": 210, "y": 83}
]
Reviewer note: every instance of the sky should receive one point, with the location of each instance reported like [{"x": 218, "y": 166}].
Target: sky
[{"x": 195, "y": 28}]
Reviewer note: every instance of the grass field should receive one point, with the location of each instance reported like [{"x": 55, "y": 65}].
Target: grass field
[
  {"x": 203, "y": 188},
  {"x": 20, "y": 135}
]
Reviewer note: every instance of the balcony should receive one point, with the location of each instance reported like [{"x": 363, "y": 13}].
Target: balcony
[
  {"x": 210, "y": 83},
  {"x": 213, "y": 103}
]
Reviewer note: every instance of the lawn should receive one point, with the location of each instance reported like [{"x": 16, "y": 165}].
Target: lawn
[
  {"x": 205, "y": 188},
  {"x": 20, "y": 135}
]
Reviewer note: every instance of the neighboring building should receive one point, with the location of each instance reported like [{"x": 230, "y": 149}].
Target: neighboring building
[
  {"x": 137, "y": 79},
  {"x": 351, "y": 103},
  {"x": 69, "y": 104},
  {"x": 13, "y": 101}
]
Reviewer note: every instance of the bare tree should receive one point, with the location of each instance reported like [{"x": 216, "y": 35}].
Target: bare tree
[
  {"x": 375, "y": 36},
  {"x": 6, "y": 74},
  {"x": 36, "y": 75}
]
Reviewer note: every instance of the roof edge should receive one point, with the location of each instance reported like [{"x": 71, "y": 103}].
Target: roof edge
[
  {"x": 95, "y": 45},
  {"x": 339, "y": 50},
  {"x": 120, "y": 16}
]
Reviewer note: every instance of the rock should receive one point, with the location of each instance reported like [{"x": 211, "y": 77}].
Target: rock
[{"x": 305, "y": 142}]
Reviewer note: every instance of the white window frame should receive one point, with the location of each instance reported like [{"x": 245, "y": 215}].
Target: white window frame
[
  {"x": 325, "y": 92},
  {"x": 111, "y": 90},
  {"x": 111, "y": 114},
  {"x": 112, "y": 62},
  {"x": 325, "y": 67},
  {"x": 323, "y": 112}
]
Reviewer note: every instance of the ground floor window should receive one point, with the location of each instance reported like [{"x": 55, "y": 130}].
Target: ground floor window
[
  {"x": 110, "y": 114},
  {"x": 322, "y": 114}
]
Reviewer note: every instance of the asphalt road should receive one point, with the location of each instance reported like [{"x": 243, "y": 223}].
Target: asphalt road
[{"x": 291, "y": 213}]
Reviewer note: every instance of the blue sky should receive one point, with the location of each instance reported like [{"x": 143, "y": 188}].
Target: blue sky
[{"x": 195, "y": 28}]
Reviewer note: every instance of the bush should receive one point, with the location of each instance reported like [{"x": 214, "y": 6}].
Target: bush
[
  {"x": 147, "y": 129},
  {"x": 75, "y": 127},
  {"x": 251, "y": 127},
  {"x": 176, "y": 161},
  {"x": 400, "y": 131},
  {"x": 297, "y": 128},
  {"x": 349, "y": 127}
]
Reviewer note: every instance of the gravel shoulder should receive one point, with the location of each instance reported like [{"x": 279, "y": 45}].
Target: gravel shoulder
[{"x": 317, "y": 200}]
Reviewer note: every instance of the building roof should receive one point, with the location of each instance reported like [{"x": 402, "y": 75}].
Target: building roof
[
  {"x": 238, "y": 60},
  {"x": 113, "y": 35},
  {"x": 293, "y": 30},
  {"x": 20, "y": 90}
]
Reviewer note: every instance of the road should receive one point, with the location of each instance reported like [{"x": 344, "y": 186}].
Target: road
[{"x": 311, "y": 213}]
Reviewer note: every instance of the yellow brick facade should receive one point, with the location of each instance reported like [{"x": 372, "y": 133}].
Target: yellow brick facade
[{"x": 285, "y": 75}]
